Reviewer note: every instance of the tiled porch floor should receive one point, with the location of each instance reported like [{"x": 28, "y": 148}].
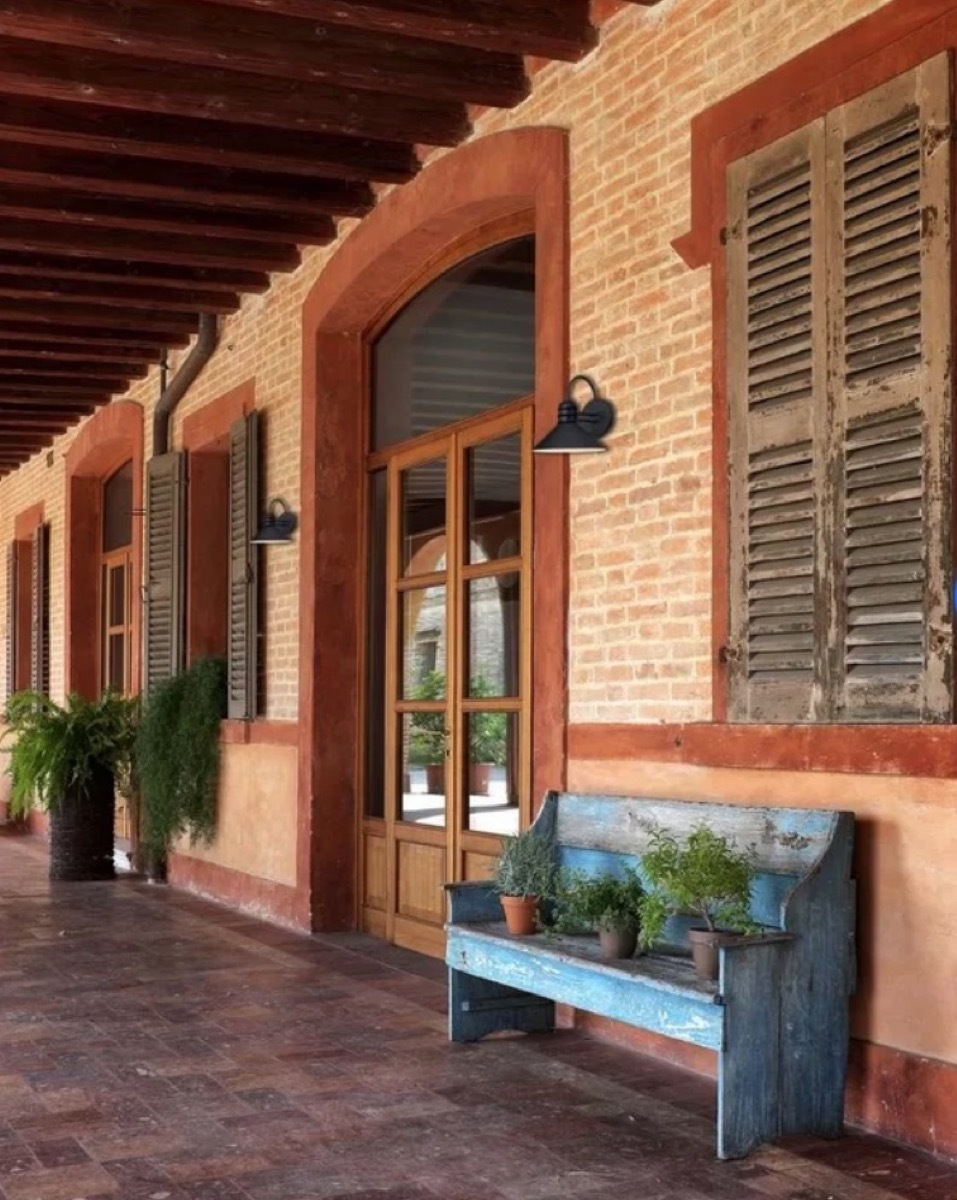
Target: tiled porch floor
[{"x": 155, "y": 1046}]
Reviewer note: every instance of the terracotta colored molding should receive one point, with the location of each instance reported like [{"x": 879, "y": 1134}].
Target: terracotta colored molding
[
  {"x": 276, "y": 902},
  {"x": 928, "y": 751},
  {"x": 259, "y": 733},
  {"x": 891, "y": 40},
  {"x": 212, "y": 422},
  {"x": 26, "y": 523},
  {"x": 454, "y": 206}
]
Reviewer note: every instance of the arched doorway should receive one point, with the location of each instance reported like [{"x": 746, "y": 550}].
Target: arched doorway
[
  {"x": 492, "y": 191},
  {"x": 448, "y": 623}
]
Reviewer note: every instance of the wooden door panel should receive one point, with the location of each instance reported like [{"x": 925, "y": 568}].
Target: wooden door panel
[{"x": 420, "y": 874}]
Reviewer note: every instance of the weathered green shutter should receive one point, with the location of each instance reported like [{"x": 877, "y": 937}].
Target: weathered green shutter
[
  {"x": 163, "y": 618},
  {"x": 11, "y": 639},
  {"x": 889, "y": 164},
  {"x": 40, "y": 611},
  {"x": 776, "y": 383},
  {"x": 243, "y": 562}
]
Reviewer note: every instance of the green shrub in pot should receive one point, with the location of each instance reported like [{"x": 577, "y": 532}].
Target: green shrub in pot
[
  {"x": 525, "y": 874},
  {"x": 607, "y": 904}
]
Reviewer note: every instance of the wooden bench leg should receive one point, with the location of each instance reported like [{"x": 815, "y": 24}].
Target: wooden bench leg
[
  {"x": 478, "y": 1007},
  {"x": 749, "y": 1066}
]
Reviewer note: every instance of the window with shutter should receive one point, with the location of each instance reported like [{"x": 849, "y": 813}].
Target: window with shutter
[
  {"x": 243, "y": 563},
  {"x": 840, "y": 314},
  {"x": 11, "y": 632},
  {"x": 40, "y": 611},
  {"x": 163, "y": 618}
]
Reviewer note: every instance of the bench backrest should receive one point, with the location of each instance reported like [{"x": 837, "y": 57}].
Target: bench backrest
[{"x": 596, "y": 834}]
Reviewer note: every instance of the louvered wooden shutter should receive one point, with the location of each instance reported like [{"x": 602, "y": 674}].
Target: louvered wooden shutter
[
  {"x": 890, "y": 325},
  {"x": 777, "y": 389},
  {"x": 40, "y": 611},
  {"x": 243, "y": 561},
  {"x": 11, "y": 638},
  {"x": 163, "y": 623}
]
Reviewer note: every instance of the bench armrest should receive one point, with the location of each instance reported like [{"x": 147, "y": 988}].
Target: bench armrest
[{"x": 477, "y": 901}]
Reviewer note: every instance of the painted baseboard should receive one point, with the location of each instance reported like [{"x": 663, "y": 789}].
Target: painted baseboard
[{"x": 275, "y": 902}]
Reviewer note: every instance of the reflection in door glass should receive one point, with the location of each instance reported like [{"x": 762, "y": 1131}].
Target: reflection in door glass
[
  {"x": 423, "y": 518},
  {"x": 375, "y": 649},
  {"x": 422, "y": 621},
  {"x": 492, "y": 783},
  {"x": 494, "y": 628},
  {"x": 423, "y": 743},
  {"x": 495, "y": 499}
]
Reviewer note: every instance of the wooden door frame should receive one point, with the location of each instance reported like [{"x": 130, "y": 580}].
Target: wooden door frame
[{"x": 496, "y": 187}]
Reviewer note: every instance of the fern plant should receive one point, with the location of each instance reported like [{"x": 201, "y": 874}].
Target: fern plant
[
  {"x": 703, "y": 876},
  {"x": 55, "y": 749},
  {"x": 178, "y": 755}
]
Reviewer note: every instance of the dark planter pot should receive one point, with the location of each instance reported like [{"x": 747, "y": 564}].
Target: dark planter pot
[
  {"x": 521, "y": 914},
  {"x": 81, "y": 832},
  {"x": 480, "y": 775},
  {"x": 704, "y": 950},
  {"x": 618, "y": 943},
  {"x": 435, "y": 779},
  {"x": 155, "y": 867}
]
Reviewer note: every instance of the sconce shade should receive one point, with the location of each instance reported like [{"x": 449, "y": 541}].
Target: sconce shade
[
  {"x": 278, "y": 525},
  {"x": 579, "y": 430}
]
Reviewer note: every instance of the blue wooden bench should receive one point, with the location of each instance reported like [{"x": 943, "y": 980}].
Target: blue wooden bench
[{"x": 777, "y": 1017}]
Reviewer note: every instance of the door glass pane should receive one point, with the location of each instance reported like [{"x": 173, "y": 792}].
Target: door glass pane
[
  {"x": 422, "y": 755},
  {"x": 495, "y": 499},
  {"x": 375, "y": 648},
  {"x": 494, "y": 617},
  {"x": 492, "y": 772},
  {"x": 117, "y": 594},
  {"x": 116, "y": 662},
  {"x": 422, "y": 621},
  {"x": 118, "y": 509},
  {"x": 423, "y": 518},
  {"x": 464, "y": 345}
]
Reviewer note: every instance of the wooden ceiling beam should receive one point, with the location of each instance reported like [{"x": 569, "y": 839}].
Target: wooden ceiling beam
[
  {"x": 29, "y": 364},
  {"x": 106, "y": 270},
  {"x": 52, "y": 73},
  {"x": 275, "y": 46},
  {"x": 45, "y": 312},
  {"x": 117, "y": 294},
  {"x": 220, "y": 144},
  {"x": 15, "y": 347},
  {"x": 118, "y": 175},
  {"x": 68, "y": 335},
  {"x": 31, "y": 405},
  {"x": 79, "y": 241},
  {"x": 104, "y": 212},
  {"x": 40, "y": 381},
  {"x": 548, "y": 28},
  {"x": 55, "y": 393}
]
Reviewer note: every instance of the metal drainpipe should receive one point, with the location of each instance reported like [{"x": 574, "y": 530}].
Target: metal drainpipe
[{"x": 206, "y": 342}]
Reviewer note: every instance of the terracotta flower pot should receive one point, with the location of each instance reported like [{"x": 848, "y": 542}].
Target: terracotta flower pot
[
  {"x": 618, "y": 943},
  {"x": 435, "y": 779},
  {"x": 704, "y": 950},
  {"x": 480, "y": 775},
  {"x": 521, "y": 914}
]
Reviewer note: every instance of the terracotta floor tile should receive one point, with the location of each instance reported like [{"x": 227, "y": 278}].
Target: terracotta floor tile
[{"x": 212, "y": 1057}]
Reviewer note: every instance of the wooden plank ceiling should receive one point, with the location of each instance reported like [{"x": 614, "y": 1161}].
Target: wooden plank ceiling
[{"x": 159, "y": 158}]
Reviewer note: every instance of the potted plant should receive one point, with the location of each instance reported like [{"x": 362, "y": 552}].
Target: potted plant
[
  {"x": 65, "y": 760},
  {"x": 702, "y": 876},
  {"x": 606, "y": 903},
  {"x": 525, "y": 875},
  {"x": 427, "y": 742},
  {"x": 487, "y": 737}
]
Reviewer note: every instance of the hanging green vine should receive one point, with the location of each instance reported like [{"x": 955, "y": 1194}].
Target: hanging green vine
[{"x": 178, "y": 755}]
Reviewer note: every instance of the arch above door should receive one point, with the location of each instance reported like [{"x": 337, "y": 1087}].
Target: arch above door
[{"x": 500, "y": 186}]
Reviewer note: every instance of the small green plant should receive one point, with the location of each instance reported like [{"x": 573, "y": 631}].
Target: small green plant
[
  {"x": 427, "y": 738},
  {"x": 488, "y": 731},
  {"x": 703, "y": 876},
  {"x": 178, "y": 755},
  {"x": 593, "y": 902},
  {"x": 527, "y": 866},
  {"x": 55, "y": 749}
]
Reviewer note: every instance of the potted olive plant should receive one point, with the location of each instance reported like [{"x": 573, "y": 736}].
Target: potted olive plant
[
  {"x": 525, "y": 875},
  {"x": 65, "y": 760},
  {"x": 610, "y": 904},
  {"x": 702, "y": 876},
  {"x": 427, "y": 742}
]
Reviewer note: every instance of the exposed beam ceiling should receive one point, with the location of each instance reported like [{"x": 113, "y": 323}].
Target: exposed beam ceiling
[{"x": 162, "y": 158}]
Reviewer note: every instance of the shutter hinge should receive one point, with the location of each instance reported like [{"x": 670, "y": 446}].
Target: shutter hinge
[
  {"x": 936, "y": 136},
  {"x": 729, "y": 654},
  {"x": 729, "y": 233}
]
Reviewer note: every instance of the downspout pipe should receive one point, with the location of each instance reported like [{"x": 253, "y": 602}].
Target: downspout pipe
[{"x": 206, "y": 342}]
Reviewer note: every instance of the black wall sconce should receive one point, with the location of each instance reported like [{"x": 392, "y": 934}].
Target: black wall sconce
[
  {"x": 278, "y": 525},
  {"x": 579, "y": 429}
]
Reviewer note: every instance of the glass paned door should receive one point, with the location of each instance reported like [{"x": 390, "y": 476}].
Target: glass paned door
[{"x": 456, "y": 667}]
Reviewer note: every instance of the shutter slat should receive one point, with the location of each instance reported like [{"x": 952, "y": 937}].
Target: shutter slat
[
  {"x": 242, "y": 652},
  {"x": 163, "y": 618}
]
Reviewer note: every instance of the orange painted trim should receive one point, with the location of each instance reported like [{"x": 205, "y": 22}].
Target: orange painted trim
[
  {"x": 111, "y": 437},
  {"x": 886, "y": 43},
  {"x": 259, "y": 733},
  {"x": 212, "y": 421},
  {"x": 260, "y": 898},
  {"x": 26, "y": 523},
  {"x": 919, "y": 751},
  {"x": 398, "y": 248}
]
